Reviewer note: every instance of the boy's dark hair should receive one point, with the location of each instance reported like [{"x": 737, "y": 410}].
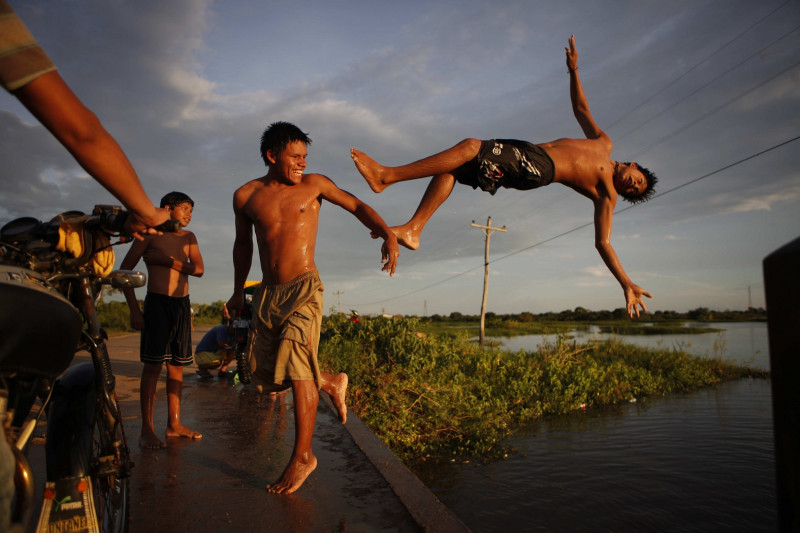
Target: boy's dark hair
[
  {"x": 278, "y": 135},
  {"x": 648, "y": 191},
  {"x": 174, "y": 199}
]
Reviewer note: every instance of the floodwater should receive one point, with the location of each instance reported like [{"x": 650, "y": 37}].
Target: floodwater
[{"x": 702, "y": 461}]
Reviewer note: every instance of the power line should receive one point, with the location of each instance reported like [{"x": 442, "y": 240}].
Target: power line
[
  {"x": 711, "y": 112},
  {"x": 696, "y": 65},
  {"x": 712, "y": 81},
  {"x": 580, "y": 227}
]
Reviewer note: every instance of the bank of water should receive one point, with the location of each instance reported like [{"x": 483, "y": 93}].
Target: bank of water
[{"x": 702, "y": 461}]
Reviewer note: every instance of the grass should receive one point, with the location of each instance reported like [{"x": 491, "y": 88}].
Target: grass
[{"x": 436, "y": 396}]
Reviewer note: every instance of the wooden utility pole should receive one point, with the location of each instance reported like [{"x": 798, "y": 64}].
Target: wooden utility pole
[
  {"x": 487, "y": 229},
  {"x": 339, "y": 300}
]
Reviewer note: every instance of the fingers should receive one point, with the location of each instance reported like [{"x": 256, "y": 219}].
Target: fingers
[
  {"x": 390, "y": 267},
  {"x": 389, "y": 264}
]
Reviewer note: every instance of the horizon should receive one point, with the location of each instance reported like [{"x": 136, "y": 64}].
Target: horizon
[{"x": 707, "y": 98}]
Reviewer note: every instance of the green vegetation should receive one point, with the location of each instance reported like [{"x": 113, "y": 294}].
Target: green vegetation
[
  {"x": 581, "y": 314},
  {"x": 616, "y": 321},
  {"x": 441, "y": 396},
  {"x": 115, "y": 317}
]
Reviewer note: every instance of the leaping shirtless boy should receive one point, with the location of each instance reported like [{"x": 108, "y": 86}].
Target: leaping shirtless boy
[{"x": 584, "y": 165}]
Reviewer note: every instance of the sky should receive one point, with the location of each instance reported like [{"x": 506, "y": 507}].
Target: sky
[{"x": 706, "y": 94}]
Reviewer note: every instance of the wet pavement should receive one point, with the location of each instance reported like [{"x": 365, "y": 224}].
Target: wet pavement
[{"x": 218, "y": 483}]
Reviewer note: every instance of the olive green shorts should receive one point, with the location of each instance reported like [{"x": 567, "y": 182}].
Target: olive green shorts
[{"x": 287, "y": 319}]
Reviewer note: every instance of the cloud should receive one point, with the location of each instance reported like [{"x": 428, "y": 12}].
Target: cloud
[{"x": 764, "y": 202}]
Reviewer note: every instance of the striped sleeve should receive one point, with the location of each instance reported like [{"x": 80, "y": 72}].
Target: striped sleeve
[{"x": 21, "y": 58}]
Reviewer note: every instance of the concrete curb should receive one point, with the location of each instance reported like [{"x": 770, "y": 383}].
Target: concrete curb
[{"x": 424, "y": 507}]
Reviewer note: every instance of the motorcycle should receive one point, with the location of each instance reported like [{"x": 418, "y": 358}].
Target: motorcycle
[
  {"x": 242, "y": 334},
  {"x": 51, "y": 276}
]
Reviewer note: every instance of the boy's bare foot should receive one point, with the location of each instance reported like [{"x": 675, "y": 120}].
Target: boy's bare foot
[
  {"x": 339, "y": 392},
  {"x": 405, "y": 236},
  {"x": 293, "y": 476},
  {"x": 150, "y": 442},
  {"x": 370, "y": 169},
  {"x": 182, "y": 432}
]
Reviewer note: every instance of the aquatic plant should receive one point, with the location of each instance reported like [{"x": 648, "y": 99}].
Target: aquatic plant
[{"x": 430, "y": 396}]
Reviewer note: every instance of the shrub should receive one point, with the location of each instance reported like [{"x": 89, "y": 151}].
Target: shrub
[{"x": 443, "y": 396}]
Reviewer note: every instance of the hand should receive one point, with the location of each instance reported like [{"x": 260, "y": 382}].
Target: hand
[
  {"x": 389, "y": 254},
  {"x": 138, "y": 225},
  {"x": 235, "y": 304},
  {"x": 633, "y": 299},
  {"x": 572, "y": 55}
]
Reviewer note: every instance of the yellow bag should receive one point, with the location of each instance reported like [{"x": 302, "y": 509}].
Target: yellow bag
[{"x": 70, "y": 240}]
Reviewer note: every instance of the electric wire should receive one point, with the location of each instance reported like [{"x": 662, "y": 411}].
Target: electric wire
[
  {"x": 582, "y": 226},
  {"x": 697, "y": 65}
]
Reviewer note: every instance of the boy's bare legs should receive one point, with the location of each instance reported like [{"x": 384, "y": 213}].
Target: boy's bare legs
[
  {"x": 147, "y": 399},
  {"x": 303, "y": 461},
  {"x": 174, "y": 391},
  {"x": 379, "y": 177},
  {"x": 438, "y": 191},
  {"x": 336, "y": 387}
]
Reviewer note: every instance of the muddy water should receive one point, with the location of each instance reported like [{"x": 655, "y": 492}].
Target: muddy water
[{"x": 702, "y": 462}]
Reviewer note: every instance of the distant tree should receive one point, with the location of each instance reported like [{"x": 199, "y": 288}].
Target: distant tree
[
  {"x": 701, "y": 313},
  {"x": 526, "y": 317}
]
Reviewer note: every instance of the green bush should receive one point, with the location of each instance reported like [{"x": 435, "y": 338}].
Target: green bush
[{"x": 435, "y": 396}]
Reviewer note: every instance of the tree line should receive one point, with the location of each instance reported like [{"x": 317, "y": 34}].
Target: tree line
[{"x": 581, "y": 314}]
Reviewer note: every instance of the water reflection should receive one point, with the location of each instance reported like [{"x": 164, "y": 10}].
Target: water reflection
[{"x": 740, "y": 342}]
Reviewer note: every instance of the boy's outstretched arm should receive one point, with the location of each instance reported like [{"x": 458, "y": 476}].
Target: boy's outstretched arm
[
  {"x": 603, "y": 215},
  {"x": 580, "y": 105},
  {"x": 369, "y": 217}
]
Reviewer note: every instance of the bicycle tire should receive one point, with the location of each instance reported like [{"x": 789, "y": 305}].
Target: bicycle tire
[{"x": 110, "y": 473}]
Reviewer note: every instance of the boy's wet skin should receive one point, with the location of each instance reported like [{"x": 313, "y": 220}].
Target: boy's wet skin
[
  {"x": 584, "y": 165},
  {"x": 282, "y": 210}
]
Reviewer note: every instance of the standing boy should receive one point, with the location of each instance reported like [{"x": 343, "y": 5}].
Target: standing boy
[
  {"x": 166, "y": 324},
  {"x": 283, "y": 208}
]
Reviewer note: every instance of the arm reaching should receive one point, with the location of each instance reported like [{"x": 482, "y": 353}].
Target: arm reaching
[
  {"x": 603, "y": 215},
  {"x": 51, "y": 101},
  {"x": 367, "y": 216},
  {"x": 580, "y": 105}
]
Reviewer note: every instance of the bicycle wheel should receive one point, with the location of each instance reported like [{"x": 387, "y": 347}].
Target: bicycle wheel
[{"x": 110, "y": 472}]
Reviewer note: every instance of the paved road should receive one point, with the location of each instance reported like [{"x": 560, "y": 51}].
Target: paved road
[{"x": 217, "y": 483}]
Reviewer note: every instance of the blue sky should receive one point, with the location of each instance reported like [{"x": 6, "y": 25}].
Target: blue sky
[{"x": 690, "y": 89}]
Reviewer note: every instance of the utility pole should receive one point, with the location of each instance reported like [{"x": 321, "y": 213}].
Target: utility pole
[
  {"x": 487, "y": 229},
  {"x": 339, "y": 300}
]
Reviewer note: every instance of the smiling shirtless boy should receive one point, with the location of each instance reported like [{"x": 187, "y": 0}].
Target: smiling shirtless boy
[{"x": 166, "y": 323}]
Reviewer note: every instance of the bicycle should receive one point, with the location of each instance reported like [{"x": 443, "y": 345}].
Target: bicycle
[{"x": 51, "y": 276}]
